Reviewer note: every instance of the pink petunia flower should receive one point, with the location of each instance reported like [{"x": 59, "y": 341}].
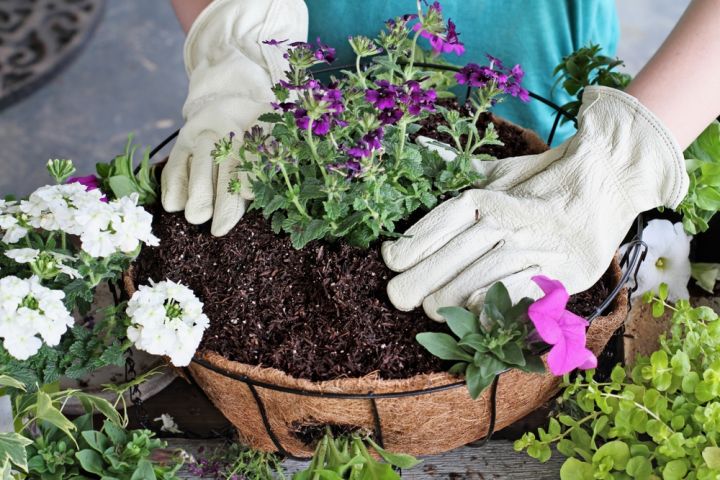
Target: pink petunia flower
[
  {"x": 560, "y": 328},
  {"x": 90, "y": 182}
]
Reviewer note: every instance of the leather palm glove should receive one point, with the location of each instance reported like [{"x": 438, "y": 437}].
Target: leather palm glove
[
  {"x": 562, "y": 213},
  {"x": 231, "y": 75}
]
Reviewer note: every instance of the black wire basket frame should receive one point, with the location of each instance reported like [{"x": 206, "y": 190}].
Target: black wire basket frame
[{"x": 630, "y": 263}]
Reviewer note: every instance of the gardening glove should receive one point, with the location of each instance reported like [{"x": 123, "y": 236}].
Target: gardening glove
[
  {"x": 562, "y": 213},
  {"x": 231, "y": 75}
]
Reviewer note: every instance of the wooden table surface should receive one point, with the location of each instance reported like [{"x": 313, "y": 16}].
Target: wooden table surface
[{"x": 198, "y": 418}]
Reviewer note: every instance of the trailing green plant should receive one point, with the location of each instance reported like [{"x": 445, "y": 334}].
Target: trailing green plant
[
  {"x": 349, "y": 458},
  {"x": 47, "y": 445},
  {"x": 336, "y": 161},
  {"x": 121, "y": 177},
  {"x": 702, "y": 160},
  {"x": 658, "y": 419},
  {"x": 586, "y": 66},
  {"x": 485, "y": 345}
]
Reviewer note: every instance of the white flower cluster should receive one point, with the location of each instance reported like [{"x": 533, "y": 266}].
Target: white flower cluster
[
  {"x": 27, "y": 309},
  {"x": 104, "y": 227},
  {"x": 166, "y": 319}
]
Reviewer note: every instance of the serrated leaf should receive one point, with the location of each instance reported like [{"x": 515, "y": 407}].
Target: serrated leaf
[{"x": 270, "y": 117}]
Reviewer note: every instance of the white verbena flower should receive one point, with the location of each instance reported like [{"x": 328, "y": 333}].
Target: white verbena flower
[
  {"x": 667, "y": 260},
  {"x": 104, "y": 227},
  {"x": 23, "y": 255},
  {"x": 166, "y": 319},
  {"x": 28, "y": 310}
]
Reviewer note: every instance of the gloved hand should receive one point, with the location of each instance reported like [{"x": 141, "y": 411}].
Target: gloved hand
[
  {"x": 231, "y": 74},
  {"x": 562, "y": 213}
]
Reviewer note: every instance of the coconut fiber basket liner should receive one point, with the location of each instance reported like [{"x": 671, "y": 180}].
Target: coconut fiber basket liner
[{"x": 422, "y": 415}]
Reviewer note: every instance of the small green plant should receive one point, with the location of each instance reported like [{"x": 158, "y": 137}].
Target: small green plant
[
  {"x": 337, "y": 160},
  {"x": 485, "y": 345},
  {"x": 702, "y": 159},
  {"x": 660, "y": 419},
  {"x": 584, "y": 67},
  {"x": 349, "y": 458},
  {"x": 119, "y": 178},
  {"x": 47, "y": 445}
]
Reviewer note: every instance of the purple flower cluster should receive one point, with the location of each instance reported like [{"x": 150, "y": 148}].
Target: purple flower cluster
[
  {"x": 368, "y": 143},
  {"x": 390, "y": 99},
  {"x": 506, "y": 79},
  {"x": 447, "y": 41},
  {"x": 330, "y": 101}
]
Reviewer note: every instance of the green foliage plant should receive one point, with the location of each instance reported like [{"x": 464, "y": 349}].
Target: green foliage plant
[
  {"x": 485, "y": 345},
  {"x": 349, "y": 458},
  {"x": 586, "y": 66},
  {"x": 47, "y": 445},
  {"x": 121, "y": 177},
  {"x": 336, "y": 161},
  {"x": 659, "y": 419}
]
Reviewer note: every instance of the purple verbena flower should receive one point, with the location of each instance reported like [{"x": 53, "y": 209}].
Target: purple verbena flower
[
  {"x": 507, "y": 80},
  {"x": 384, "y": 97},
  {"x": 324, "y": 53}
]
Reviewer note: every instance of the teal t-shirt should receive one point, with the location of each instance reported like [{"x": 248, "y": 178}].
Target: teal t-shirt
[{"x": 536, "y": 34}]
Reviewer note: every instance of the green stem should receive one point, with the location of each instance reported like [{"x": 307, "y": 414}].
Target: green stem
[
  {"x": 402, "y": 126},
  {"x": 359, "y": 72},
  {"x": 293, "y": 197},
  {"x": 409, "y": 69},
  {"x": 313, "y": 149}
]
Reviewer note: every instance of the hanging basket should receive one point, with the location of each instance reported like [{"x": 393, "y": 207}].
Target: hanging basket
[{"x": 422, "y": 415}]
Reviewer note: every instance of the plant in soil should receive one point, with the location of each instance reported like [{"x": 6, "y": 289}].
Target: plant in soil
[
  {"x": 350, "y": 458},
  {"x": 48, "y": 445},
  {"x": 57, "y": 246},
  {"x": 488, "y": 344},
  {"x": 335, "y": 160},
  {"x": 235, "y": 462},
  {"x": 657, "y": 419}
]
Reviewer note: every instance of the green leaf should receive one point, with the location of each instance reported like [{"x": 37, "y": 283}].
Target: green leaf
[
  {"x": 91, "y": 461},
  {"x": 499, "y": 297},
  {"x": 122, "y": 186},
  {"x": 711, "y": 455},
  {"x": 400, "y": 460},
  {"x": 475, "y": 381},
  {"x": 574, "y": 469},
  {"x": 513, "y": 354},
  {"x": 443, "y": 346},
  {"x": 100, "y": 405},
  {"x": 533, "y": 364},
  {"x": 12, "y": 450},
  {"x": 116, "y": 434},
  {"x": 675, "y": 470},
  {"x": 706, "y": 275},
  {"x": 617, "y": 450},
  {"x": 639, "y": 468},
  {"x": 270, "y": 117},
  {"x": 46, "y": 411},
  {"x": 8, "y": 381},
  {"x": 144, "y": 471},
  {"x": 460, "y": 320},
  {"x": 96, "y": 440}
]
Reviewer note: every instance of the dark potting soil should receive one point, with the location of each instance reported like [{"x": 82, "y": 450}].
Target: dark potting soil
[
  {"x": 514, "y": 143},
  {"x": 318, "y": 313}
]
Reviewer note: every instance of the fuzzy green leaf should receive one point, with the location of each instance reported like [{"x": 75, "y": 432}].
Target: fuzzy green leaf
[
  {"x": 460, "y": 320},
  {"x": 443, "y": 346}
]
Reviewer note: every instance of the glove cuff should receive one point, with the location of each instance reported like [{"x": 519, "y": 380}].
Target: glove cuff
[{"x": 654, "y": 142}]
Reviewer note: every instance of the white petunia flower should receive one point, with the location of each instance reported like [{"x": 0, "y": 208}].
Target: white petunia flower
[
  {"x": 23, "y": 255},
  {"x": 166, "y": 319},
  {"x": 28, "y": 310},
  {"x": 667, "y": 260}
]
